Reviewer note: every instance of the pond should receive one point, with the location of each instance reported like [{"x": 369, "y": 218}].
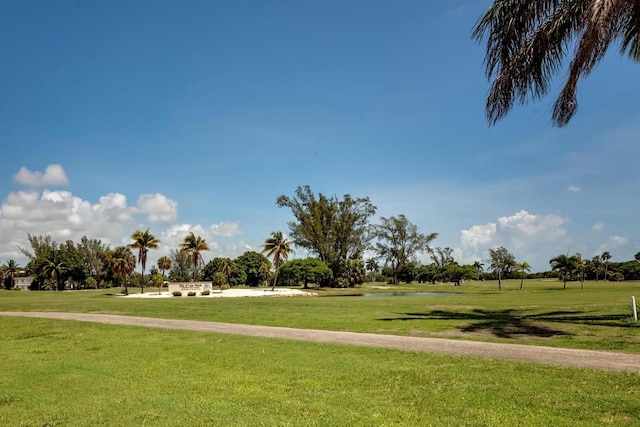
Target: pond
[{"x": 409, "y": 294}]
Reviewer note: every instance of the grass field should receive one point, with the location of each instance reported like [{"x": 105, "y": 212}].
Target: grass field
[
  {"x": 65, "y": 373},
  {"x": 598, "y": 317}
]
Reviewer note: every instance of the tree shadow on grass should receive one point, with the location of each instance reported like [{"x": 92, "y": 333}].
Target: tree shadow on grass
[{"x": 516, "y": 323}]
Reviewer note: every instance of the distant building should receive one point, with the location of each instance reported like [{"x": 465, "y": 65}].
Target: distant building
[{"x": 22, "y": 283}]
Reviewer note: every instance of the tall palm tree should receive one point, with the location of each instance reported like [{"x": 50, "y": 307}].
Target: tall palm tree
[
  {"x": 192, "y": 246},
  {"x": 580, "y": 266},
  {"x": 527, "y": 42},
  {"x": 522, "y": 268},
  {"x": 279, "y": 248},
  {"x": 143, "y": 241},
  {"x": 122, "y": 263},
  {"x": 11, "y": 268},
  {"x": 606, "y": 256},
  {"x": 479, "y": 267},
  {"x": 164, "y": 264}
]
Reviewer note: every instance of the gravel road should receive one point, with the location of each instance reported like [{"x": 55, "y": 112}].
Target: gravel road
[{"x": 604, "y": 360}]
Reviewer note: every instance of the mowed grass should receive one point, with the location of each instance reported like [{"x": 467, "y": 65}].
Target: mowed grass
[
  {"x": 598, "y": 317},
  {"x": 66, "y": 373}
]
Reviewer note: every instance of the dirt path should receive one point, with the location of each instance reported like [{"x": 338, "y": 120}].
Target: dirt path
[{"x": 605, "y": 360}]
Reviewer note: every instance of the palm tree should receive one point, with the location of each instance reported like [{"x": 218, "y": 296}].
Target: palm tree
[
  {"x": 164, "y": 264},
  {"x": 265, "y": 271},
  {"x": 11, "y": 268},
  {"x": 479, "y": 267},
  {"x": 373, "y": 267},
  {"x": 122, "y": 263},
  {"x": 527, "y": 42},
  {"x": 226, "y": 267},
  {"x": 580, "y": 266},
  {"x": 56, "y": 268},
  {"x": 565, "y": 265},
  {"x": 606, "y": 256},
  {"x": 522, "y": 268},
  {"x": 596, "y": 265},
  {"x": 192, "y": 245},
  {"x": 143, "y": 241},
  {"x": 279, "y": 248}
]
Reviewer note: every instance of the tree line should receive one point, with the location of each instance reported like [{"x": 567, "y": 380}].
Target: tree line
[{"x": 335, "y": 232}]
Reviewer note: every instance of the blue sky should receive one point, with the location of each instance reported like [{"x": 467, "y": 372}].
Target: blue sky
[{"x": 197, "y": 115}]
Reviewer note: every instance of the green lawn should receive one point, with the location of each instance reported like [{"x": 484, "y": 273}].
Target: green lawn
[
  {"x": 65, "y": 373},
  {"x": 598, "y": 317}
]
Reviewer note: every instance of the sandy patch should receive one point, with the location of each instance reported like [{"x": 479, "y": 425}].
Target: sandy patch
[{"x": 228, "y": 293}]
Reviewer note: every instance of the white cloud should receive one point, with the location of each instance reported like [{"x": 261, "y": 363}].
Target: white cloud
[
  {"x": 573, "y": 188},
  {"x": 598, "y": 226},
  {"x": 225, "y": 229},
  {"x": 614, "y": 242},
  {"x": 157, "y": 207},
  {"x": 53, "y": 175},
  {"x": 532, "y": 238}
]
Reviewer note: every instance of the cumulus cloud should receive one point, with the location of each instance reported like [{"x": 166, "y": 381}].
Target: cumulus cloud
[
  {"x": 225, "y": 229},
  {"x": 598, "y": 227},
  {"x": 573, "y": 188},
  {"x": 528, "y": 236},
  {"x": 66, "y": 216},
  {"x": 157, "y": 207},
  {"x": 54, "y": 175}
]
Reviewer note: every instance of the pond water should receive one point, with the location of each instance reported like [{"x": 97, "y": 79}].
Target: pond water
[{"x": 409, "y": 294}]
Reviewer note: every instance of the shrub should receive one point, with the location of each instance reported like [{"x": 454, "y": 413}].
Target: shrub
[
  {"x": 224, "y": 286},
  {"x": 191, "y": 294},
  {"x": 204, "y": 293},
  {"x": 177, "y": 293}
]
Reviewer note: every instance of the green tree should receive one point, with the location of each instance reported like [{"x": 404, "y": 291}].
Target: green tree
[
  {"x": 305, "y": 271},
  {"x": 93, "y": 253},
  {"x": 606, "y": 256},
  {"x": 122, "y": 262},
  {"x": 441, "y": 256},
  {"x": 501, "y": 261},
  {"x": 565, "y": 265},
  {"x": 372, "y": 266},
  {"x": 335, "y": 230},
  {"x": 56, "y": 269},
  {"x": 164, "y": 265},
  {"x": 527, "y": 42},
  {"x": 596, "y": 266},
  {"x": 278, "y": 248},
  {"x": 479, "y": 267},
  {"x": 11, "y": 268},
  {"x": 234, "y": 274},
  {"x": 250, "y": 262},
  {"x": 193, "y": 246},
  {"x": 143, "y": 241},
  {"x": 522, "y": 268},
  {"x": 181, "y": 266},
  {"x": 265, "y": 271},
  {"x": 399, "y": 242}
]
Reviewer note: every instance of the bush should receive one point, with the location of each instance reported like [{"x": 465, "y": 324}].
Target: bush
[
  {"x": 224, "y": 286},
  {"x": 191, "y": 294},
  {"x": 177, "y": 293},
  {"x": 205, "y": 293}
]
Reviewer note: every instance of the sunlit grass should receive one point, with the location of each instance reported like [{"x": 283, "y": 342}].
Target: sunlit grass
[
  {"x": 79, "y": 374},
  {"x": 542, "y": 313}
]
